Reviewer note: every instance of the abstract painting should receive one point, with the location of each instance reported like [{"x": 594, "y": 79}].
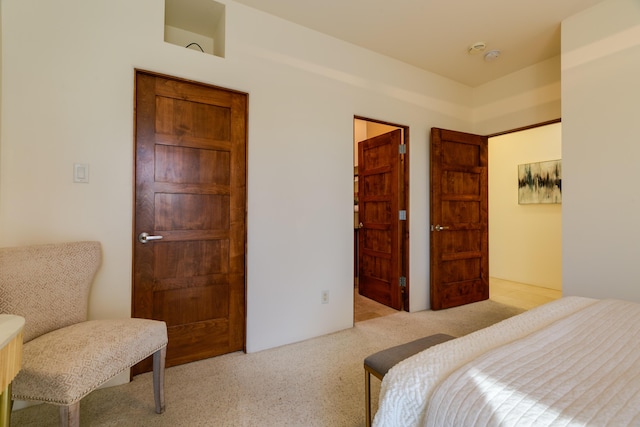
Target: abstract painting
[{"x": 540, "y": 182}]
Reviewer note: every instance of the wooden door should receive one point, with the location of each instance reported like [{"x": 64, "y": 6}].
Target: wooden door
[
  {"x": 190, "y": 189},
  {"x": 459, "y": 219},
  {"x": 379, "y": 189}
]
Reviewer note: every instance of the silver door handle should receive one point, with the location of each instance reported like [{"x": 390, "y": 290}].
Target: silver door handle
[
  {"x": 438, "y": 227},
  {"x": 144, "y": 237},
  {"x": 361, "y": 225}
]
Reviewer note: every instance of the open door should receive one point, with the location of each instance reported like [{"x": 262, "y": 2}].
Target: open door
[
  {"x": 380, "y": 266},
  {"x": 459, "y": 261}
]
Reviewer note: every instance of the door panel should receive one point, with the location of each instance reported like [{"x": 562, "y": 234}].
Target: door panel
[
  {"x": 378, "y": 206},
  {"x": 459, "y": 216},
  {"x": 191, "y": 190}
]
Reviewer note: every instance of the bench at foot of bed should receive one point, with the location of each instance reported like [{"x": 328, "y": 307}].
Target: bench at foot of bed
[{"x": 379, "y": 363}]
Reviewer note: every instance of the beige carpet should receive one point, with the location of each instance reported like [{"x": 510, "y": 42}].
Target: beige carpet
[{"x": 318, "y": 382}]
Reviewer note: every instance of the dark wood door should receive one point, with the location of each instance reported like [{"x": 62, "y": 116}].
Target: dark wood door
[
  {"x": 379, "y": 245},
  {"x": 190, "y": 189},
  {"x": 459, "y": 219}
]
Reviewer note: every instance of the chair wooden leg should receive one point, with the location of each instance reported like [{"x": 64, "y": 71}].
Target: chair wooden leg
[
  {"x": 367, "y": 396},
  {"x": 5, "y": 407},
  {"x": 158, "y": 378},
  {"x": 70, "y": 415}
]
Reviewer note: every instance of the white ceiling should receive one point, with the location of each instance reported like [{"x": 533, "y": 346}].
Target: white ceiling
[{"x": 435, "y": 34}]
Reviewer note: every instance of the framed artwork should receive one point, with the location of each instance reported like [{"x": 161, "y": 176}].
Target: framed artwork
[{"x": 540, "y": 182}]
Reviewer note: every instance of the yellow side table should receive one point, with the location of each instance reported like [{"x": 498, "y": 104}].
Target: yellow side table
[{"x": 10, "y": 361}]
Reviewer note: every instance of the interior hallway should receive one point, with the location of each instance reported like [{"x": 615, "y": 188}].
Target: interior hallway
[
  {"x": 503, "y": 291},
  {"x": 519, "y": 294}
]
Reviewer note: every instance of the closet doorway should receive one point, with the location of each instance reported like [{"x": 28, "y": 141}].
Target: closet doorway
[{"x": 381, "y": 242}]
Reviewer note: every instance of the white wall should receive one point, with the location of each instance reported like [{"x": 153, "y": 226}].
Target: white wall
[
  {"x": 526, "y": 97},
  {"x": 525, "y": 241},
  {"x": 67, "y": 96},
  {"x": 601, "y": 151}
]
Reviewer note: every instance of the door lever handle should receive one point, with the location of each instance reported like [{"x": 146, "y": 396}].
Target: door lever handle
[
  {"x": 145, "y": 237},
  {"x": 438, "y": 227}
]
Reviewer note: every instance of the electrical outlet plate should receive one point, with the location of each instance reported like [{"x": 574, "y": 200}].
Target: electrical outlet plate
[{"x": 324, "y": 297}]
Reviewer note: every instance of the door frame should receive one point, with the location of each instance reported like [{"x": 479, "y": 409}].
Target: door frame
[
  {"x": 403, "y": 259},
  {"x": 535, "y": 125}
]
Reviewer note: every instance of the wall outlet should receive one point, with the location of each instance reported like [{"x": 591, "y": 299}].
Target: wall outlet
[{"x": 324, "y": 297}]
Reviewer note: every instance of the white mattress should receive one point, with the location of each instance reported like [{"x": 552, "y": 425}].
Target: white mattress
[{"x": 570, "y": 378}]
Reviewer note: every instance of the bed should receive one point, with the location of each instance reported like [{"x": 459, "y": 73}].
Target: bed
[{"x": 571, "y": 362}]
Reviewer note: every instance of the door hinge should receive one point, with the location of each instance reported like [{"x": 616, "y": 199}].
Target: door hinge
[
  {"x": 402, "y": 149},
  {"x": 403, "y": 282},
  {"x": 402, "y": 215}
]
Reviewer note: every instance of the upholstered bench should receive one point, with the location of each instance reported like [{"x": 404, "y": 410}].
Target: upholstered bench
[{"x": 379, "y": 363}]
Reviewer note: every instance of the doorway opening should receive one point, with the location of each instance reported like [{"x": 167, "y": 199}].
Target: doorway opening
[
  {"x": 532, "y": 274},
  {"x": 456, "y": 278},
  {"x": 380, "y": 218}
]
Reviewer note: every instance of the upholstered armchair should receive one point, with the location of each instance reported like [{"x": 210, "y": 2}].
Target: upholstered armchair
[{"x": 66, "y": 356}]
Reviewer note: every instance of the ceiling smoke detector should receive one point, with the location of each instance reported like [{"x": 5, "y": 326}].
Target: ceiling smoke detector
[
  {"x": 477, "y": 47},
  {"x": 492, "y": 55}
]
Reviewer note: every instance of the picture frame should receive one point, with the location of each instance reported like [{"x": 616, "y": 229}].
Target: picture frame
[{"x": 540, "y": 182}]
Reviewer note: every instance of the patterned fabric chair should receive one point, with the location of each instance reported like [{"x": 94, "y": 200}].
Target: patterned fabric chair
[{"x": 65, "y": 357}]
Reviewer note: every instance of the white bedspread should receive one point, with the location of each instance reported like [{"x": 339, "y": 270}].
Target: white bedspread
[
  {"x": 578, "y": 387},
  {"x": 581, "y": 370}
]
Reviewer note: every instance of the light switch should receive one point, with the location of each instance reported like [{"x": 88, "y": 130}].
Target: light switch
[{"x": 80, "y": 172}]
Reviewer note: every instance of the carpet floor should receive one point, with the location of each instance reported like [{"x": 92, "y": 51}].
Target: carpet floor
[{"x": 317, "y": 382}]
